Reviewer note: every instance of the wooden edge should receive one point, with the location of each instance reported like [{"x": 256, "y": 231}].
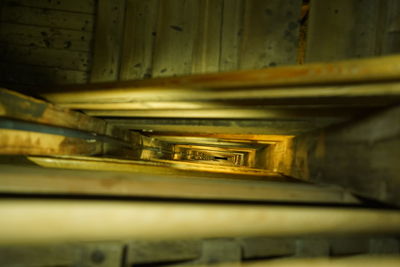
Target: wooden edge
[
  {"x": 358, "y": 70},
  {"x": 34, "y": 180},
  {"x": 21, "y": 107}
]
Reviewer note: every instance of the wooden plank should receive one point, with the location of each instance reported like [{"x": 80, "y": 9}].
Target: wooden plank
[
  {"x": 270, "y": 33},
  {"x": 47, "y": 18},
  {"x": 45, "y": 37},
  {"x": 139, "y": 37},
  {"x": 231, "y": 34},
  {"x": 142, "y": 252},
  {"x": 298, "y": 97},
  {"x": 38, "y": 255},
  {"x": 196, "y": 126},
  {"x": 80, "y": 6},
  {"x": 36, "y": 75},
  {"x": 233, "y": 113},
  {"x": 175, "y": 37},
  {"x": 24, "y": 138},
  {"x": 63, "y": 59},
  {"x": 263, "y": 247},
  {"x": 17, "y": 106},
  {"x": 388, "y": 36},
  {"x": 220, "y": 251},
  {"x": 107, "y": 254},
  {"x": 108, "y": 40},
  {"x": 353, "y": 71},
  {"x": 114, "y": 141},
  {"x": 337, "y": 30},
  {"x": 15, "y": 142},
  {"x": 99, "y": 220},
  {"x": 110, "y": 177},
  {"x": 362, "y": 156},
  {"x": 207, "y": 45}
]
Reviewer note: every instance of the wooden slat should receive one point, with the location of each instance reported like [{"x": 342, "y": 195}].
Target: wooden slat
[
  {"x": 270, "y": 33},
  {"x": 278, "y": 127},
  {"x": 230, "y": 34},
  {"x": 36, "y": 75},
  {"x": 337, "y": 30},
  {"x": 45, "y": 37},
  {"x": 47, "y": 18},
  {"x": 139, "y": 37},
  {"x": 158, "y": 184},
  {"x": 358, "y": 95},
  {"x": 362, "y": 70},
  {"x": 17, "y": 106},
  {"x": 63, "y": 59},
  {"x": 148, "y": 252},
  {"x": 15, "y": 142},
  {"x": 77, "y": 254},
  {"x": 207, "y": 45},
  {"x": 388, "y": 35},
  {"x": 80, "y": 6},
  {"x": 175, "y": 37},
  {"x": 362, "y": 156},
  {"x": 108, "y": 40},
  {"x": 234, "y": 113},
  {"x": 99, "y": 220}
]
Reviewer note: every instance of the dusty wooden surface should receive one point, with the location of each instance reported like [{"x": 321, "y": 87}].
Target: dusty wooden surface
[
  {"x": 169, "y": 38},
  {"x": 17, "y": 106},
  {"x": 362, "y": 156},
  {"x": 352, "y": 71},
  {"x": 45, "y": 42},
  {"x": 128, "y": 178},
  {"x": 203, "y": 252},
  {"x": 108, "y": 40},
  {"x": 312, "y": 93},
  {"x": 14, "y": 142},
  {"x": 99, "y": 220},
  {"x": 270, "y": 34},
  {"x": 338, "y": 30},
  {"x": 139, "y": 37}
]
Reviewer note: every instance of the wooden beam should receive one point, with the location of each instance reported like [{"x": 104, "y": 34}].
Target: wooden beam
[
  {"x": 108, "y": 40},
  {"x": 384, "y": 93},
  {"x": 339, "y": 114},
  {"x": 108, "y": 177},
  {"x": 362, "y": 70},
  {"x": 15, "y": 142},
  {"x": 221, "y": 126},
  {"x": 21, "y": 107},
  {"x": 362, "y": 156},
  {"x": 337, "y": 30},
  {"x": 93, "y": 220},
  {"x": 56, "y": 123}
]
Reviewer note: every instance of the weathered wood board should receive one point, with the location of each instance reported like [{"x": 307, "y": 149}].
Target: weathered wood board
[
  {"x": 175, "y": 35},
  {"x": 362, "y": 156},
  {"x": 344, "y": 29},
  {"x": 108, "y": 40},
  {"x": 270, "y": 34},
  {"x": 39, "y": 75},
  {"x": 207, "y": 43},
  {"x": 172, "y": 37},
  {"x": 45, "y": 37},
  {"x": 81, "y": 6},
  {"x": 139, "y": 37},
  {"x": 47, "y": 18},
  {"x": 45, "y": 42},
  {"x": 56, "y": 58}
]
